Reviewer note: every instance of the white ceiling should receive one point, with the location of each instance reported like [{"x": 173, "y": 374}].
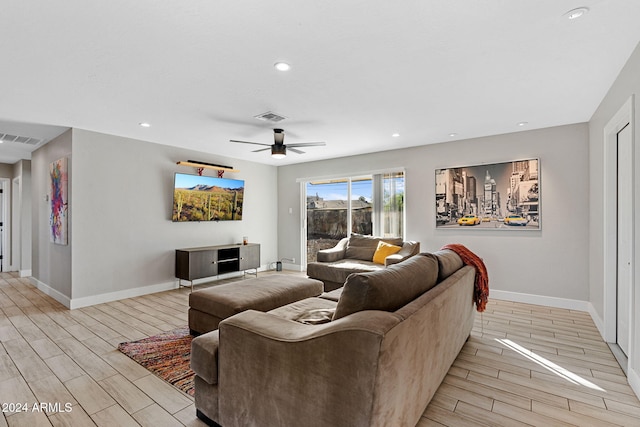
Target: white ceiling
[{"x": 199, "y": 70}]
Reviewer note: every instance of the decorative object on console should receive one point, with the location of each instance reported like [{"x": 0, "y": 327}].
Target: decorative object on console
[
  {"x": 58, "y": 199},
  {"x": 497, "y": 196},
  {"x": 206, "y": 198},
  {"x": 278, "y": 149}
]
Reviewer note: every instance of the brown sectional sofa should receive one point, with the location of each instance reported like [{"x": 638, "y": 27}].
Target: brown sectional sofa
[
  {"x": 374, "y": 357},
  {"x": 354, "y": 254}
]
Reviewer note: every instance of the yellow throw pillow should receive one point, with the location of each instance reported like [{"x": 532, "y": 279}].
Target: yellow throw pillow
[{"x": 384, "y": 250}]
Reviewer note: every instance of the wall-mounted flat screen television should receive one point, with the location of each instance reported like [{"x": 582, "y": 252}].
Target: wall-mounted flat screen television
[{"x": 206, "y": 198}]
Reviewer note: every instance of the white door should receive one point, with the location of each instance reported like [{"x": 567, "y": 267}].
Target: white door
[{"x": 624, "y": 237}]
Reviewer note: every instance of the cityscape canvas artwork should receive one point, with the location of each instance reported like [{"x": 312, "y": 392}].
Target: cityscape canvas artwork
[
  {"x": 58, "y": 200},
  {"x": 502, "y": 196}
]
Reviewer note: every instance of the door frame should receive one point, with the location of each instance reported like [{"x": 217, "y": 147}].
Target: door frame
[
  {"x": 624, "y": 117},
  {"x": 16, "y": 224},
  {"x": 5, "y": 184}
]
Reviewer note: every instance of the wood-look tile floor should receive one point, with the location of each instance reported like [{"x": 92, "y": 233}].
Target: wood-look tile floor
[
  {"x": 533, "y": 365},
  {"x": 523, "y": 365}
]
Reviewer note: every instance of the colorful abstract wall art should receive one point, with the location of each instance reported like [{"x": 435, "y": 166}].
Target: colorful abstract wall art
[{"x": 58, "y": 198}]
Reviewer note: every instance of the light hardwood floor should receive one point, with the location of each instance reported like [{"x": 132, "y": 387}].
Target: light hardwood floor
[{"x": 523, "y": 365}]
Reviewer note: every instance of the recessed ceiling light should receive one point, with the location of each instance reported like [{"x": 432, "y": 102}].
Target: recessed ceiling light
[
  {"x": 145, "y": 125},
  {"x": 576, "y": 13},
  {"x": 452, "y": 134},
  {"x": 523, "y": 124},
  {"x": 282, "y": 66},
  {"x": 395, "y": 135}
]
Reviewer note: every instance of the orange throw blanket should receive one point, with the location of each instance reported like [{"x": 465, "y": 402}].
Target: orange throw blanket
[{"x": 481, "y": 292}]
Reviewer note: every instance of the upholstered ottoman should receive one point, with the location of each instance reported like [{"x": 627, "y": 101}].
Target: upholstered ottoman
[{"x": 210, "y": 306}]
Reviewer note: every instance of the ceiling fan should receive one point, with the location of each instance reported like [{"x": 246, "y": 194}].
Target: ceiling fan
[{"x": 278, "y": 149}]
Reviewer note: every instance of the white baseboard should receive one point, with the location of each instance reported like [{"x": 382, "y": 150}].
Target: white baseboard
[
  {"x": 118, "y": 295},
  {"x": 102, "y": 298},
  {"x": 25, "y": 273},
  {"x": 293, "y": 267},
  {"x": 56, "y": 295},
  {"x": 597, "y": 320},
  {"x": 570, "y": 304},
  {"x": 72, "y": 303}
]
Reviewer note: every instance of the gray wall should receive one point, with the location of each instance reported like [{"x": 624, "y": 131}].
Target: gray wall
[
  {"x": 122, "y": 201},
  {"x": 6, "y": 171},
  {"x": 51, "y": 263},
  {"x": 549, "y": 262}
]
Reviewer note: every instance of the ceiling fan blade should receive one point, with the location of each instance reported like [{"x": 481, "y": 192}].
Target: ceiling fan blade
[
  {"x": 261, "y": 149},
  {"x": 294, "y": 150},
  {"x": 247, "y": 142},
  {"x": 308, "y": 144}
]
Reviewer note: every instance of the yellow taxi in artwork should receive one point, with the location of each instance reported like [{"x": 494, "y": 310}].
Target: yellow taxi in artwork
[
  {"x": 469, "y": 220},
  {"x": 515, "y": 220}
]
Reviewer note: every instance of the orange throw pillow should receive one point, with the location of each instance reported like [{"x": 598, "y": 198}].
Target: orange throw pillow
[{"x": 384, "y": 250}]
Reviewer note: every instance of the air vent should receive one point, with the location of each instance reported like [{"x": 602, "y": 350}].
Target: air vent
[
  {"x": 19, "y": 139},
  {"x": 270, "y": 117}
]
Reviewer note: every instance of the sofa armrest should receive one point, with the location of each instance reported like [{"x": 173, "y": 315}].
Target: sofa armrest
[
  {"x": 312, "y": 373},
  {"x": 408, "y": 250},
  {"x": 204, "y": 356},
  {"x": 333, "y": 254}
]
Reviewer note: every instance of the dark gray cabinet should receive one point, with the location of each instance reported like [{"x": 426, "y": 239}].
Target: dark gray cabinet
[{"x": 208, "y": 261}]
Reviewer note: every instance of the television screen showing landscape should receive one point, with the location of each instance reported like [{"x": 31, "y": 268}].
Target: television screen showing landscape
[{"x": 207, "y": 198}]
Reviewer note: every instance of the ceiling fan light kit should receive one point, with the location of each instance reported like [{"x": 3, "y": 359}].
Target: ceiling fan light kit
[{"x": 279, "y": 151}]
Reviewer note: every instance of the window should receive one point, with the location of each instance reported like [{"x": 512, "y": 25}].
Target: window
[{"x": 368, "y": 204}]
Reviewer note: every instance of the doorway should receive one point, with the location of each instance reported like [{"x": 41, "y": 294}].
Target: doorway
[
  {"x": 619, "y": 292},
  {"x": 5, "y": 250},
  {"x": 16, "y": 212}
]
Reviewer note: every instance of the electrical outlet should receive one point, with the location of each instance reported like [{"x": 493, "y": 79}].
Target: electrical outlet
[{"x": 293, "y": 260}]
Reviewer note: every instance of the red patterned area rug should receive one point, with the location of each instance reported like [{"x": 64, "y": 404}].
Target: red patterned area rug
[{"x": 167, "y": 355}]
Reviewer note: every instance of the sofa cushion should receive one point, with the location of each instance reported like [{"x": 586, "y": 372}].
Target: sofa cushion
[
  {"x": 263, "y": 293},
  {"x": 390, "y": 288},
  {"x": 383, "y": 251},
  {"x": 408, "y": 249},
  {"x": 204, "y": 356},
  {"x": 339, "y": 271},
  {"x": 448, "y": 263},
  {"x": 333, "y": 295},
  {"x": 312, "y": 311},
  {"x": 363, "y": 247}
]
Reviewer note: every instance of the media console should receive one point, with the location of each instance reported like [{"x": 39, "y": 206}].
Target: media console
[{"x": 209, "y": 261}]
